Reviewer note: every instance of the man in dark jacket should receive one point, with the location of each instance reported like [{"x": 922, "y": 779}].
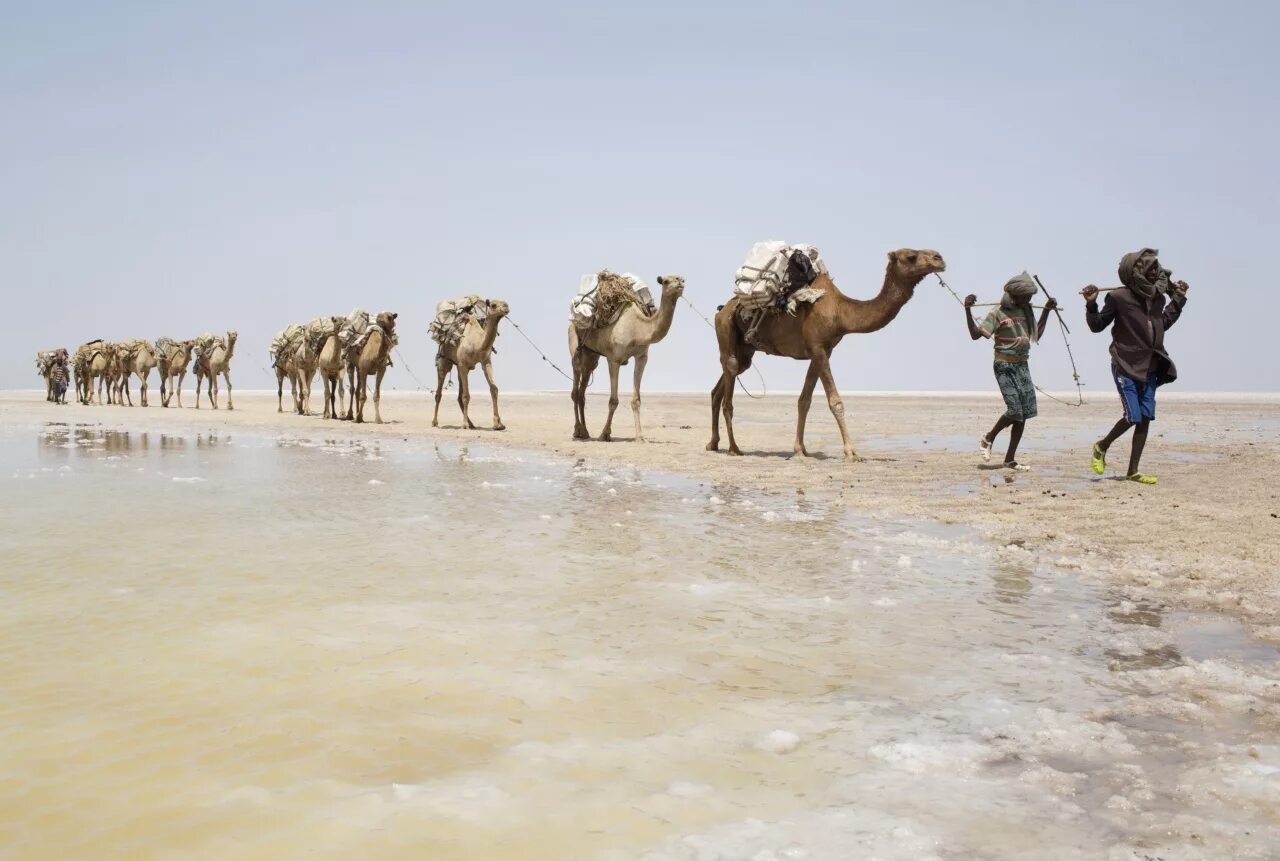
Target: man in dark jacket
[{"x": 1138, "y": 314}]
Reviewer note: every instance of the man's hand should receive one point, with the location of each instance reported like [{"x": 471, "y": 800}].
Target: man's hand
[
  {"x": 1089, "y": 293},
  {"x": 1182, "y": 287},
  {"x": 1051, "y": 304},
  {"x": 970, "y": 300}
]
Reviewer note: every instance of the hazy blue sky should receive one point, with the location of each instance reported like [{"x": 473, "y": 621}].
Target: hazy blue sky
[{"x": 169, "y": 168}]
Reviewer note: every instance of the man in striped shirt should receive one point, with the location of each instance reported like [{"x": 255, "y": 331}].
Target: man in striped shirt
[{"x": 1011, "y": 326}]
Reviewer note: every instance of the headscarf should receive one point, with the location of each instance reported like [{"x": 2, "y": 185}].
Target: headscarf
[
  {"x": 1132, "y": 274},
  {"x": 1021, "y": 286}
]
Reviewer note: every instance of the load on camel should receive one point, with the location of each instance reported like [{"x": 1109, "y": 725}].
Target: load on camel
[
  {"x": 809, "y": 331},
  {"x": 51, "y": 363},
  {"x": 172, "y": 360},
  {"x": 465, "y": 330},
  {"x": 613, "y": 316},
  {"x": 213, "y": 358}
]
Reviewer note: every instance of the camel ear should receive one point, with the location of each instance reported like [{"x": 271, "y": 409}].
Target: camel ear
[
  {"x": 893, "y": 255},
  {"x": 662, "y": 281}
]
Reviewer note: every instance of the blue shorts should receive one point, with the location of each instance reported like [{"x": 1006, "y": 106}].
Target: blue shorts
[{"x": 1138, "y": 399}]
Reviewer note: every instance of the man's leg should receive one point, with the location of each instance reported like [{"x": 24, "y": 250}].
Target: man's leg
[
  {"x": 1115, "y": 433},
  {"x": 1015, "y": 437},
  {"x": 1139, "y": 442}
]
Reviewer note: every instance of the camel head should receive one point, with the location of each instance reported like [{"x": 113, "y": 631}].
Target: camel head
[
  {"x": 387, "y": 320},
  {"x": 338, "y": 323},
  {"x": 908, "y": 266},
  {"x": 672, "y": 286},
  {"x": 498, "y": 308},
  {"x": 231, "y": 339}
]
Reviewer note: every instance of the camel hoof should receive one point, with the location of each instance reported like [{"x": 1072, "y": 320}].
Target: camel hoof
[
  {"x": 800, "y": 453},
  {"x": 435, "y": 424},
  {"x": 851, "y": 457},
  {"x": 581, "y": 436},
  {"x": 606, "y": 437},
  {"x": 713, "y": 446},
  {"x": 735, "y": 452},
  {"x": 499, "y": 426}
]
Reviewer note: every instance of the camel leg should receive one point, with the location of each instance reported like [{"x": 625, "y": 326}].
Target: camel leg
[
  {"x": 442, "y": 371},
  {"x": 124, "y": 389},
  {"x": 352, "y": 390},
  {"x": 464, "y": 396},
  {"x": 802, "y": 408},
  {"x": 833, "y": 400},
  {"x": 213, "y": 390},
  {"x": 325, "y": 383},
  {"x": 607, "y": 434},
  {"x": 641, "y": 361},
  {"x": 377, "y": 394},
  {"x": 199, "y": 380},
  {"x": 359, "y": 395},
  {"x": 142, "y": 385},
  {"x": 226, "y": 375},
  {"x": 342, "y": 395},
  {"x": 726, "y": 403},
  {"x": 487, "y": 367},
  {"x": 182, "y": 376},
  {"x": 717, "y": 396},
  {"x": 279, "y": 391}
]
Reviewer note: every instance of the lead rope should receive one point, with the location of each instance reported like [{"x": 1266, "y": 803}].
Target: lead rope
[
  {"x": 538, "y": 351},
  {"x": 763, "y": 389},
  {"x": 1062, "y": 327}
]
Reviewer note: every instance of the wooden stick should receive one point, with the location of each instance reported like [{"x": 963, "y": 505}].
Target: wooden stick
[{"x": 1103, "y": 290}]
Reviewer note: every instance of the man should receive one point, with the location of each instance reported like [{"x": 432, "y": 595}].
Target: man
[
  {"x": 1011, "y": 326},
  {"x": 1139, "y": 313}
]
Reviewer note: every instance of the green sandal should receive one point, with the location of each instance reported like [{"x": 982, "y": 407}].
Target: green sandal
[
  {"x": 1143, "y": 479},
  {"x": 1099, "y": 462}
]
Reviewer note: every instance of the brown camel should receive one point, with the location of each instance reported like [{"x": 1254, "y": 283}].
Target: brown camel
[
  {"x": 475, "y": 347},
  {"x": 332, "y": 363},
  {"x": 626, "y": 338},
  {"x": 104, "y": 367},
  {"x": 371, "y": 357},
  {"x": 212, "y": 362},
  {"x": 812, "y": 333},
  {"x": 137, "y": 357},
  {"x": 173, "y": 358},
  {"x": 306, "y": 360},
  {"x": 82, "y": 366}
]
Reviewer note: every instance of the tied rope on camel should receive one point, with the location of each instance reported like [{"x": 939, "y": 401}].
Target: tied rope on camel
[
  {"x": 1062, "y": 327},
  {"x": 763, "y": 389}
]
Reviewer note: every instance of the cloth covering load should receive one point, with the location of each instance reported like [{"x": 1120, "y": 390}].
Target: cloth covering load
[
  {"x": 453, "y": 315},
  {"x": 602, "y": 297},
  {"x": 776, "y": 276},
  {"x": 128, "y": 349}
]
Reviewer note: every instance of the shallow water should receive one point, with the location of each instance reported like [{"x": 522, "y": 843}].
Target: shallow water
[{"x": 274, "y": 648}]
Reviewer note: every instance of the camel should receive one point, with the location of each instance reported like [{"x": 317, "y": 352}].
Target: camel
[
  {"x": 138, "y": 359},
  {"x": 305, "y": 361},
  {"x": 332, "y": 363},
  {"x": 626, "y": 338},
  {"x": 172, "y": 360},
  {"x": 371, "y": 357},
  {"x": 812, "y": 333},
  {"x": 105, "y": 368},
  {"x": 475, "y": 347},
  {"x": 80, "y": 366},
  {"x": 217, "y": 360}
]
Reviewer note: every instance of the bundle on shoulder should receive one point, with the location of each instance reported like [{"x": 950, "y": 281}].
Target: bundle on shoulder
[{"x": 453, "y": 315}]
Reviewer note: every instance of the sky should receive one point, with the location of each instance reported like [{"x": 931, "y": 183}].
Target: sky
[{"x": 167, "y": 169}]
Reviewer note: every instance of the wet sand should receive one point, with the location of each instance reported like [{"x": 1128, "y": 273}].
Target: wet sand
[{"x": 1206, "y": 537}]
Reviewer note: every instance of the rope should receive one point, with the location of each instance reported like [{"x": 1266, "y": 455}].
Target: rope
[
  {"x": 410, "y": 372},
  {"x": 763, "y": 389},
  {"x": 538, "y": 351},
  {"x": 1062, "y": 327}
]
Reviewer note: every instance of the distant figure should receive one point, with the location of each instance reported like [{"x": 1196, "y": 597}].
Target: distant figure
[
  {"x": 58, "y": 380},
  {"x": 1141, "y": 311},
  {"x": 1012, "y": 326}
]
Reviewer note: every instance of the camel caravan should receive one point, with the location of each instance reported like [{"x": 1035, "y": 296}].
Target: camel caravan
[
  {"x": 102, "y": 369},
  {"x": 356, "y": 346}
]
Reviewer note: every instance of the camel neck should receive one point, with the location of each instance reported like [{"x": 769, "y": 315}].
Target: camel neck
[
  {"x": 661, "y": 321},
  {"x": 490, "y": 332},
  {"x": 870, "y": 315}
]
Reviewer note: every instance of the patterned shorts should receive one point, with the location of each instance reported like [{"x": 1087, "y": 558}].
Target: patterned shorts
[{"x": 1014, "y": 379}]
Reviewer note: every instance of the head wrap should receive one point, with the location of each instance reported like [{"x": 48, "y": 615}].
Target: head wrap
[
  {"x": 1132, "y": 272},
  {"x": 1021, "y": 286}
]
